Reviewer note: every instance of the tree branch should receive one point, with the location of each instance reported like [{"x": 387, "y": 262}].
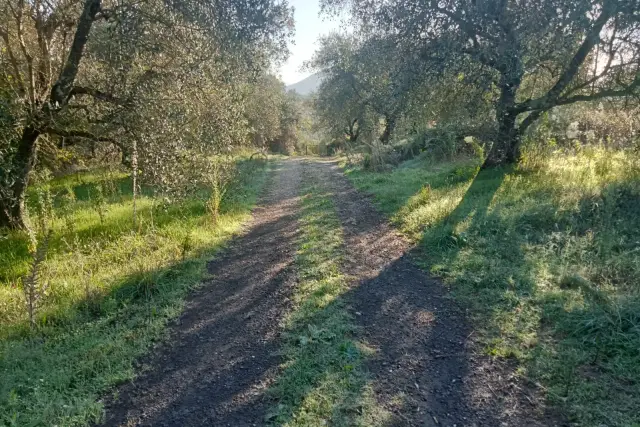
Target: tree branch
[
  {"x": 608, "y": 93},
  {"x": 471, "y": 30},
  {"x": 78, "y": 134},
  {"x": 611, "y": 93},
  {"x": 591, "y": 39},
  {"x": 528, "y": 121},
  {"x": 14, "y": 63},
  {"x": 44, "y": 65},
  {"x": 99, "y": 95},
  {"x": 62, "y": 88},
  {"x": 18, "y": 14}
]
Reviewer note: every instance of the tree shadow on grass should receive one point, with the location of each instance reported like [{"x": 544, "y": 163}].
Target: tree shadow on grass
[
  {"x": 86, "y": 228},
  {"x": 83, "y": 225},
  {"x": 59, "y": 372},
  {"x": 394, "y": 190},
  {"x": 107, "y": 334},
  {"x": 519, "y": 265},
  {"x": 425, "y": 360},
  {"x": 405, "y": 362},
  {"x": 486, "y": 380},
  {"x": 55, "y": 374},
  {"x": 224, "y": 351},
  {"x": 400, "y": 364},
  {"x": 424, "y": 366},
  {"x": 410, "y": 337}
]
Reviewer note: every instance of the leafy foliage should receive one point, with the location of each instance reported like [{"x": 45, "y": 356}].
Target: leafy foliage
[
  {"x": 101, "y": 78},
  {"x": 521, "y": 60}
]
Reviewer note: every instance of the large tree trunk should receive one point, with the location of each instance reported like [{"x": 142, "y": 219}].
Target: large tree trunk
[
  {"x": 505, "y": 148},
  {"x": 12, "y": 210},
  {"x": 353, "y": 132},
  {"x": 12, "y": 197},
  {"x": 388, "y": 130},
  {"x": 506, "y": 141}
]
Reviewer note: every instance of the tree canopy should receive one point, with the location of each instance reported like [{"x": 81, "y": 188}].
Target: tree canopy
[
  {"x": 159, "y": 77},
  {"x": 529, "y": 56}
]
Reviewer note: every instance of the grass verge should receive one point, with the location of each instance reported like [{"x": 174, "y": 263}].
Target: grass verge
[
  {"x": 323, "y": 381},
  {"x": 548, "y": 257},
  {"x": 111, "y": 289}
]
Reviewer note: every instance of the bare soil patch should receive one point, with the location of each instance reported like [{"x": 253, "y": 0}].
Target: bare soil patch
[
  {"x": 427, "y": 368},
  {"x": 222, "y": 354}
]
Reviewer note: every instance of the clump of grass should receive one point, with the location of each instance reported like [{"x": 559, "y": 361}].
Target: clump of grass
[
  {"x": 99, "y": 201},
  {"x": 547, "y": 255},
  {"x": 43, "y": 208},
  {"x": 186, "y": 244},
  {"x": 323, "y": 381},
  {"x": 109, "y": 297},
  {"x": 32, "y": 285},
  {"x": 67, "y": 201},
  {"x": 219, "y": 177}
]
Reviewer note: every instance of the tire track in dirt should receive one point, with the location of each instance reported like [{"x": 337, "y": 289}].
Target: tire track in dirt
[
  {"x": 427, "y": 369},
  {"x": 222, "y": 353}
]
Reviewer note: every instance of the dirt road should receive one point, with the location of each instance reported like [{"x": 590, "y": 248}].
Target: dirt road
[{"x": 223, "y": 353}]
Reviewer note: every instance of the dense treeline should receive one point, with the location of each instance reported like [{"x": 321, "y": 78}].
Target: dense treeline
[
  {"x": 445, "y": 70},
  {"x": 154, "y": 83}
]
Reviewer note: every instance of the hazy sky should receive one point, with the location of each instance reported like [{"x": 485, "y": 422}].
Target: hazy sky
[{"x": 309, "y": 26}]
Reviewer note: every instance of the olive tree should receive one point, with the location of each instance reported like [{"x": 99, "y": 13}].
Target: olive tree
[
  {"x": 581, "y": 50},
  {"x": 364, "y": 82},
  {"x": 117, "y": 72},
  {"x": 264, "y": 110}
]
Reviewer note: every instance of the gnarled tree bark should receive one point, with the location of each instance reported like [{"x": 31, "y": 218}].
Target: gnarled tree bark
[
  {"x": 12, "y": 198},
  {"x": 389, "y": 126}
]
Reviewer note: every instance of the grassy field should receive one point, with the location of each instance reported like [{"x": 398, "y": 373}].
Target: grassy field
[
  {"x": 323, "y": 381},
  {"x": 548, "y": 258},
  {"x": 108, "y": 288}
]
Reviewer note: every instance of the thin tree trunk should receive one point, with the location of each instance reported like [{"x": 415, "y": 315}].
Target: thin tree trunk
[
  {"x": 388, "y": 130},
  {"x": 352, "y": 131},
  {"x": 12, "y": 207}
]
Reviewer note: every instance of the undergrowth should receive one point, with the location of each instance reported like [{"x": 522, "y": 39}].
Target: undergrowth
[
  {"x": 110, "y": 289},
  {"x": 323, "y": 381},
  {"x": 548, "y": 256}
]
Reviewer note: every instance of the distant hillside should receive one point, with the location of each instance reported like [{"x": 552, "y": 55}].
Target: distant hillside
[{"x": 307, "y": 86}]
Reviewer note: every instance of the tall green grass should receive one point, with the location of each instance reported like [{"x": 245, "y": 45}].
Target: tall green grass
[
  {"x": 111, "y": 287},
  {"x": 548, "y": 257}
]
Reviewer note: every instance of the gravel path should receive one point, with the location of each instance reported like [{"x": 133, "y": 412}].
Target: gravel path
[
  {"x": 223, "y": 352},
  {"x": 426, "y": 369}
]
